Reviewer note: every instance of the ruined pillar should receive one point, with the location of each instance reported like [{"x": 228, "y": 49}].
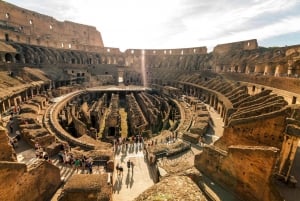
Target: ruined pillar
[
  {"x": 269, "y": 70},
  {"x": 290, "y": 67},
  {"x": 279, "y": 70},
  {"x": 287, "y": 155}
]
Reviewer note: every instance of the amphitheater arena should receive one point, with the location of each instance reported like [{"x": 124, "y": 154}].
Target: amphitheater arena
[{"x": 191, "y": 124}]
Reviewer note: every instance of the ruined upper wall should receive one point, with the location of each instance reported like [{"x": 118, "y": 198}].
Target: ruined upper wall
[
  {"x": 236, "y": 46},
  {"x": 25, "y": 26},
  {"x": 177, "y": 51}
]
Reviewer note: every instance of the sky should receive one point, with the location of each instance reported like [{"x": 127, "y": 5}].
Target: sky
[{"x": 164, "y": 24}]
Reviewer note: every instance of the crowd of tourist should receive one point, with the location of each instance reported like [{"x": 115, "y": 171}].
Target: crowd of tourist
[
  {"x": 129, "y": 142},
  {"x": 84, "y": 163},
  {"x": 40, "y": 153}
]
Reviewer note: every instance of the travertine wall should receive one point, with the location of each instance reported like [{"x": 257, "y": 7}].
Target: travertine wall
[
  {"x": 259, "y": 132},
  {"x": 241, "y": 170},
  {"x": 25, "y": 26},
  {"x": 236, "y": 46}
]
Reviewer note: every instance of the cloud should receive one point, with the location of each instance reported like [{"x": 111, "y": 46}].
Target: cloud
[{"x": 178, "y": 23}]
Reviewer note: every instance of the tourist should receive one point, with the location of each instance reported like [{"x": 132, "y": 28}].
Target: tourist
[
  {"x": 77, "y": 163},
  {"x": 37, "y": 153},
  {"x": 45, "y": 156},
  {"x": 120, "y": 170},
  {"x": 83, "y": 162},
  {"x": 132, "y": 166},
  {"x": 18, "y": 135},
  {"x": 128, "y": 164},
  {"x": 71, "y": 160},
  {"x": 61, "y": 157},
  {"x": 89, "y": 164},
  {"x": 11, "y": 128},
  {"x": 66, "y": 158},
  {"x": 11, "y": 141},
  {"x": 36, "y": 145}
]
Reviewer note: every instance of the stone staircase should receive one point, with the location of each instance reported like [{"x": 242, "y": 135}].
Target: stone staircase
[{"x": 66, "y": 171}]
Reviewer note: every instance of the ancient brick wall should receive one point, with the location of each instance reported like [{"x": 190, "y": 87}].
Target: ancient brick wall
[
  {"x": 241, "y": 170},
  {"x": 262, "y": 131},
  {"x": 236, "y": 46},
  {"x": 36, "y": 182},
  {"x": 7, "y": 152},
  {"x": 26, "y": 26}
]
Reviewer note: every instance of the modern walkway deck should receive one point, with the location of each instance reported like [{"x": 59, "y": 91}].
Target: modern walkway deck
[{"x": 133, "y": 181}]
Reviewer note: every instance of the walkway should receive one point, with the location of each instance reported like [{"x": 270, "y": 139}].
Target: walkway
[
  {"x": 133, "y": 181},
  {"x": 216, "y": 128}
]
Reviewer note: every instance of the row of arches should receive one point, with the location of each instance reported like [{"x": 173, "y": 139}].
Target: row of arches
[
  {"x": 10, "y": 57},
  {"x": 291, "y": 69},
  {"x": 37, "y": 55}
]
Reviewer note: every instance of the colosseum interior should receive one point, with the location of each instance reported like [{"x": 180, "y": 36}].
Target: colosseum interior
[{"x": 191, "y": 124}]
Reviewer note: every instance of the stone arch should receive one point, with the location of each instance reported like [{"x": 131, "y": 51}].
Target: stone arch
[
  {"x": 114, "y": 60},
  {"x": 31, "y": 55},
  {"x": 297, "y": 68},
  {"x": 250, "y": 69},
  {"x": 90, "y": 59},
  {"x": 280, "y": 70},
  {"x": 18, "y": 58},
  {"x": 108, "y": 60},
  {"x": 121, "y": 61},
  {"x": 50, "y": 55},
  {"x": 42, "y": 57},
  {"x": 74, "y": 58},
  {"x": 66, "y": 57},
  {"x": 103, "y": 60},
  {"x": 8, "y": 58},
  {"x": 269, "y": 69},
  {"x": 98, "y": 59},
  {"x": 54, "y": 58}
]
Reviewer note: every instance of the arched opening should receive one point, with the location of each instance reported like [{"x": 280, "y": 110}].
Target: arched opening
[
  {"x": 294, "y": 100},
  {"x": 6, "y": 37},
  {"x": 18, "y": 58},
  {"x": 8, "y": 58}
]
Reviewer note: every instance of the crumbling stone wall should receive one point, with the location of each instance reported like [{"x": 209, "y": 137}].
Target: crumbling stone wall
[
  {"x": 80, "y": 127},
  {"x": 26, "y": 26},
  {"x": 7, "y": 152},
  {"x": 30, "y": 126},
  {"x": 136, "y": 119},
  {"x": 267, "y": 130},
  {"x": 241, "y": 170},
  {"x": 86, "y": 187},
  {"x": 236, "y": 46},
  {"x": 113, "y": 119},
  {"x": 36, "y": 182},
  {"x": 155, "y": 110},
  {"x": 97, "y": 112}
]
